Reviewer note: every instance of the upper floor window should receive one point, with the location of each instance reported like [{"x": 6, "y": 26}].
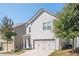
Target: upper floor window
[
  {"x": 44, "y": 26},
  {"x": 29, "y": 29},
  {"x": 47, "y": 26}
]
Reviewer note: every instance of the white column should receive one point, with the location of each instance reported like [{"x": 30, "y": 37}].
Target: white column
[
  {"x": 27, "y": 44},
  {"x": 13, "y": 43},
  {"x": 23, "y": 42}
]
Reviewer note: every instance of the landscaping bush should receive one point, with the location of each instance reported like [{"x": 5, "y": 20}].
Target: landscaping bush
[
  {"x": 56, "y": 53},
  {"x": 15, "y": 50},
  {"x": 12, "y": 50},
  {"x": 27, "y": 49},
  {"x": 0, "y": 48}
]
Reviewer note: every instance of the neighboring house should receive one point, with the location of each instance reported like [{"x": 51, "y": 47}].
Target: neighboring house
[
  {"x": 39, "y": 32},
  {"x": 17, "y": 42},
  {"x": 18, "y": 39},
  {"x": 76, "y": 43}
]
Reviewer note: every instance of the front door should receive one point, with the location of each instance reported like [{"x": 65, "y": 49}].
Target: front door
[
  {"x": 29, "y": 42},
  {"x": 24, "y": 43}
]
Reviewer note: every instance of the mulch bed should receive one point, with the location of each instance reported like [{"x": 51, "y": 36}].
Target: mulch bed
[{"x": 70, "y": 53}]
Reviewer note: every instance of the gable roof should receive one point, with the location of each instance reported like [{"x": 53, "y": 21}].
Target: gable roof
[
  {"x": 39, "y": 12},
  {"x": 18, "y": 25}
]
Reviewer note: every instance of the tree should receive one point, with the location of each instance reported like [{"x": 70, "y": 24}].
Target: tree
[
  {"x": 67, "y": 25},
  {"x": 7, "y": 30}
]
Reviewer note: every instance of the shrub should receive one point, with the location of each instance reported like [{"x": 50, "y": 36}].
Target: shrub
[
  {"x": 13, "y": 50},
  {"x": 27, "y": 49},
  {"x": 0, "y": 48}
]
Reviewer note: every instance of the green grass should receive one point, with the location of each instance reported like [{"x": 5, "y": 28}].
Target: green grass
[
  {"x": 19, "y": 52},
  {"x": 56, "y": 53},
  {"x": 16, "y": 53}
]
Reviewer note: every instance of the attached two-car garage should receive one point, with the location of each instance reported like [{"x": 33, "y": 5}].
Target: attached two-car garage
[{"x": 45, "y": 44}]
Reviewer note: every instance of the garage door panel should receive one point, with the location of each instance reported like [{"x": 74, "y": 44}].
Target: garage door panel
[
  {"x": 49, "y": 45},
  {"x": 52, "y": 45},
  {"x": 10, "y": 46},
  {"x": 44, "y": 45},
  {"x": 37, "y": 45},
  {"x": 41, "y": 45}
]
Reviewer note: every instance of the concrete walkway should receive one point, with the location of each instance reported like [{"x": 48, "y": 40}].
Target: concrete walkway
[
  {"x": 6, "y": 54},
  {"x": 2, "y": 53},
  {"x": 36, "y": 53}
]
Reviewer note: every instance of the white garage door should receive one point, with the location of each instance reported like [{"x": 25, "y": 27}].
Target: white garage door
[
  {"x": 10, "y": 46},
  {"x": 44, "y": 45}
]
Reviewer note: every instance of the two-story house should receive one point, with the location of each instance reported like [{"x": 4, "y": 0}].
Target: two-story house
[{"x": 39, "y": 32}]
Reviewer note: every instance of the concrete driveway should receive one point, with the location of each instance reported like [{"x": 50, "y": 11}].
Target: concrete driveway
[{"x": 36, "y": 53}]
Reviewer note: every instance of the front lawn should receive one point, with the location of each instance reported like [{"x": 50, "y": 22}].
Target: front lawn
[
  {"x": 14, "y": 53},
  {"x": 67, "y": 52},
  {"x": 56, "y": 53}
]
